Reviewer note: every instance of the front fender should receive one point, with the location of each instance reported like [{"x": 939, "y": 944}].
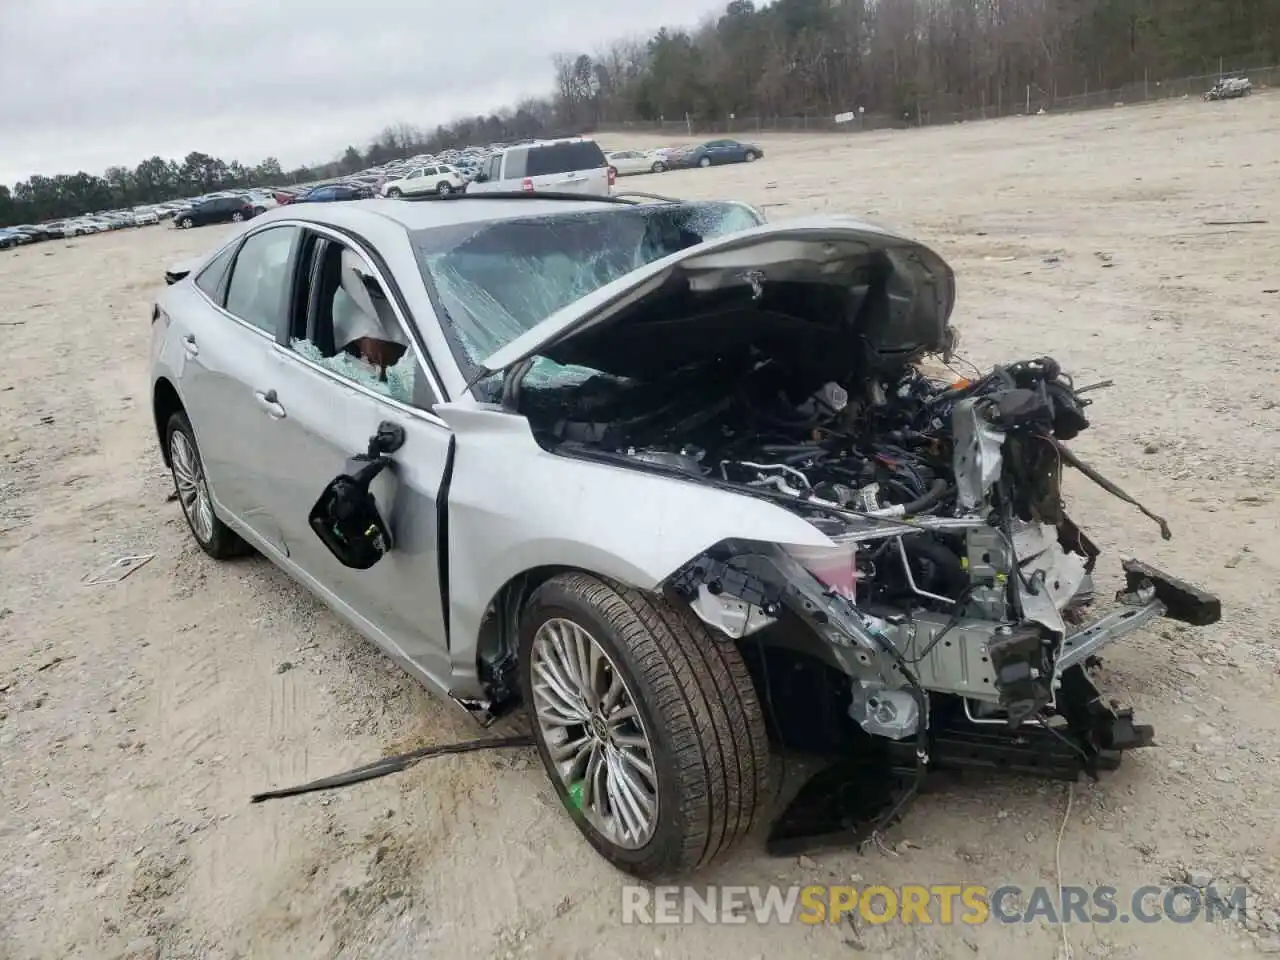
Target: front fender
[{"x": 514, "y": 507}]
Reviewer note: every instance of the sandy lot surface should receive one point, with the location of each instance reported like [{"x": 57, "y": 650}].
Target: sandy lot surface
[{"x": 136, "y": 719}]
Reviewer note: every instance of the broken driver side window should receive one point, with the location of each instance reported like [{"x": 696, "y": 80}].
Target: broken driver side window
[{"x": 351, "y": 330}]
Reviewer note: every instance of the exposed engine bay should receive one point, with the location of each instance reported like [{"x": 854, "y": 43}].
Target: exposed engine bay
[{"x": 954, "y": 606}]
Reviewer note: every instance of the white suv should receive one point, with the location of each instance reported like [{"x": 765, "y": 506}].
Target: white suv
[
  {"x": 435, "y": 178},
  {"x": 575, "y": 165}
]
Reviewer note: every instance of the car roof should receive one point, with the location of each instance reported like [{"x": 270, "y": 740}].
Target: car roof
[{"x": 427, "y": 214}]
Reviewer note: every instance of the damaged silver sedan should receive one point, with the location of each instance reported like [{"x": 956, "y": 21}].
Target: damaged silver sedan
[{"x": 672, "y": 480}]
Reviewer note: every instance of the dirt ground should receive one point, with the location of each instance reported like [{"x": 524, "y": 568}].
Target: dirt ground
[{"x": 136, "y": 718}]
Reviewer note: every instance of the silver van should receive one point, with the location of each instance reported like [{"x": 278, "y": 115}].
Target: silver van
[{"x": 575, "y": 165}]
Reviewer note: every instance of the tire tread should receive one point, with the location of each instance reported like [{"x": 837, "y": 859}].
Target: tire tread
[{"x": 708, "y": 704}]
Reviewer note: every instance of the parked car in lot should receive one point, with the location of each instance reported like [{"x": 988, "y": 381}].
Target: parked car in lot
[
  {"x": 625, "y": 163},
  {"x": 1228, "y": 88},
  {"x": 572, "y": 165},
  {"x": 437, "y": 178},
  {"x": 215, "y": 210},
  {"x": 36, "y": 233},
  {"x": 334, "y": 192},
  {"x": 607, "y": 461},
  {"x": 12, "y": 238},
  {"x": 717, "y": 151}
]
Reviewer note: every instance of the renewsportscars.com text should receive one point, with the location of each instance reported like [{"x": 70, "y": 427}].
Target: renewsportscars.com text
[{"x": 967, "y": 904}]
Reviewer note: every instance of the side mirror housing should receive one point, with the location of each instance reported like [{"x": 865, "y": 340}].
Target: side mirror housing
[{"x": 347, "y": 520}]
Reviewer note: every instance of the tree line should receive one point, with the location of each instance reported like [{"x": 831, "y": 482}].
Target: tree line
[{"x": 895, "y": 58}]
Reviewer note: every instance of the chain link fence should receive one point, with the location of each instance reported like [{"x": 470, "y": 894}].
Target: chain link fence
[{"x": 940, "y": 110}]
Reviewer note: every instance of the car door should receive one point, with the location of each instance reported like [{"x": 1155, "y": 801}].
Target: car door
[
  {"x": 228, "y": 346},
  {"x": 328, "y": 410}
]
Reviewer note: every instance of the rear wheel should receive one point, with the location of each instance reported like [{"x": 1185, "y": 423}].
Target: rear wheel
[
  {"x": 659, "y": 166},
  {"x": 648, "y": 725},
  {"x": 237, "y": 217},
  {"x": 443, "y": 188},
  {"x": 215, "y": 537}
]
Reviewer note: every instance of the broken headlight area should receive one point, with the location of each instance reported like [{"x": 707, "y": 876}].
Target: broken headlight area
[{"x": 950, "y": 622}]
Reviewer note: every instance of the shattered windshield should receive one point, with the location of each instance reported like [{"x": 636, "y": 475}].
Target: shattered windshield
[{"x": 497, "y": 279}]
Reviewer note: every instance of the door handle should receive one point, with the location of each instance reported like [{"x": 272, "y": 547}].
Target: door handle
[
  {"x": 189, "y": 346},
  {"x": 270, "y": 403}
]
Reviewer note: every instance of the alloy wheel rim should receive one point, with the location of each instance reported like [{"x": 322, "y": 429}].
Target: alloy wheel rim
[
  {"x": 193, "y": 491},
  {"x": 593, "y": 733}
]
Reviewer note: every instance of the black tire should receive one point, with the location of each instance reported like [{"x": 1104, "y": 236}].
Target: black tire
[
  {"x": 184, "y": 223},
  {"x": 443, "y": 188},
  {"x": 704, "y": 162},
  {"x": 710, "y": 748},
  {"x": 223, "y": 543},
  {"x": 659, "y": 167},
  {"x": 394, "y": 193}
]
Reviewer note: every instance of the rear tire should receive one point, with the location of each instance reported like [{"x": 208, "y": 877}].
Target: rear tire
[
  {"x": 214, "y": 537},
  {"x": 443, "y": 188},
  {"x": 695, "y": 711}
]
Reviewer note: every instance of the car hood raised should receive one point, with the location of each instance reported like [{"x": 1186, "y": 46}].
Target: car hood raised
[{"x": 915, "y": 290}]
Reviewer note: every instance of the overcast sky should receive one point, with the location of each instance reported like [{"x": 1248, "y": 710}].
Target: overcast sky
[{"x": 85, "y": 84}]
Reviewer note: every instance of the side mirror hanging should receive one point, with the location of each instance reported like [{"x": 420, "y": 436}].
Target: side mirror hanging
[
  {"x": 347, "y": 520},
  {"x": 346, "y": 516}
]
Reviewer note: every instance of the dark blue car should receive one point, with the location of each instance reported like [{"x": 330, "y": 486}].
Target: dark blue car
[
  {"x": 718, "y": 151},
  {"x": 335, "y": 191}
]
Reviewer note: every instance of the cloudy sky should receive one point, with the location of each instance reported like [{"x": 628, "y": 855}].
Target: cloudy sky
[{"x": 85, "y": 84}]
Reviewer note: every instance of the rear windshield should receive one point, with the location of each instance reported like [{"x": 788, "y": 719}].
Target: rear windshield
[
  {"x": 564, "y": 158},
  {"x": 495, "y": 280}
]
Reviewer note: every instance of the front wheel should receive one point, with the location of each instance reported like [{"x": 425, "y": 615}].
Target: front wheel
[
  {"x": 750, "y": 156},
  {"x": 659, "y": 167},
  {"x": 184, "y": 223},
  {"x": 214, "y": 537},
  {"x": 394, "y": 193},
  {"x": 647, "y": 724},
  {"x": 443, "y": 188},
  {"x": 704, "y": 162}
]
